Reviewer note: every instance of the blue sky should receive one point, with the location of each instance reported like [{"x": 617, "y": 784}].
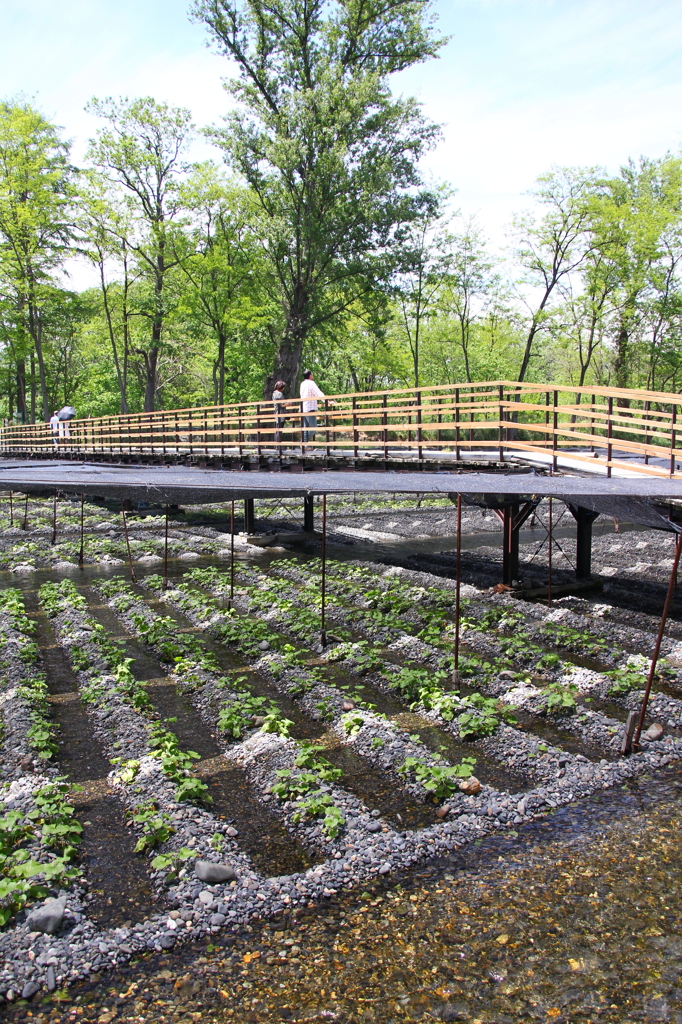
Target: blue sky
[{"x": 522, "y": 84}]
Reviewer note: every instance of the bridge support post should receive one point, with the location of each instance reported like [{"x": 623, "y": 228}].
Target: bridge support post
[
  {"x": 249, "y": 516},
  {"x": 512, "y": 517},
  {"x": 584, "y": 517},
  {"x": 308, "y": 514}
]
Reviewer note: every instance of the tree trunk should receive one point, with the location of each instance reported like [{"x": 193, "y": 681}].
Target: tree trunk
[
  {"x": 33, "y": 388},
  {"x": 290, "y": 353},
  {"x": 620, "y": 366},
  {"x": 151, "y": 359},
  {"x": 221, "y": 366},
  {"x": 21, "y": 390}
]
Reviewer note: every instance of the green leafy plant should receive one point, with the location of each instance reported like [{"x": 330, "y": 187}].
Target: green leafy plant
[
  {"x": 625, "y": 680},
  {"x": 156, "y": 828},
  {"x": 177, "y": 765},
  {"x": 439, "y": 780},
  {"x": 560, "y": 697}
]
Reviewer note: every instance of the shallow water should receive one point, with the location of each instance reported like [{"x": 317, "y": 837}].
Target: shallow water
[{"x": 577, "y": 919}]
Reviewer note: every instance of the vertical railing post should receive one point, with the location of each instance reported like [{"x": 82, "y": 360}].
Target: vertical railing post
[
  {"x": 546, "y": 419},
  {"x": 457, "y": 424},
  {"x": 355, "y": 427},
  {"x": 594, "y": 402},
  {"x": 555, "y": 427},
  {"x": 326, "y": 427},
  {"x": 471, "y": 420},
  {"x": 673, "y": 438},
  {"x": 500, "y": 424},
  {"x": 206, "y": 447},
  {"x": 645, "y": 410},
  {"x": 190, "y": 429},
  {"x": 239, "y": 431},
  {"x": 418, "y": 398},
  {"x": 384, "y": 423},
  {"x": 609, "y": 434},
  {"x": 258, "y": 428},
  {"x": 440, "y": 420}
]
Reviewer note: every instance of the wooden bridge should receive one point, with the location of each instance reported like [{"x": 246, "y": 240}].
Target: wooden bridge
[{"x": 609, "y": 431}]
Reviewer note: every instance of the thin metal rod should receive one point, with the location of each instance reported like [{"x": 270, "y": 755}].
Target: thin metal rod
[
  {"x": 54, "y": 519},
  {"x": 323, "y": 632},
  {"x": 11, "y": 510},
  {"x": 659, "y": 640},
  {"x": 130, "y": 557},
  {"x": 165, "y": 554},
  {"x": 232, "y": 553},
  {"x": 458, "y": 582},
  {"x": 549, "y": 558},
  {"x": 81, "y": 553},
  {"x": 25, "y": 526}
]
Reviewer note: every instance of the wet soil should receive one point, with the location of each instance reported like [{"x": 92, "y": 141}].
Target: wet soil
[
  {"x": 272, "y": 849},
  {"x": 120, "y": 888}
]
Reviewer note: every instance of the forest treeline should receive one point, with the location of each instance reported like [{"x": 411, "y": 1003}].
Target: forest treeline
[{"x": 313, "y": 237}]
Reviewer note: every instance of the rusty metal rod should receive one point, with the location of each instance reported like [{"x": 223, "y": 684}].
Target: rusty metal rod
[
  {"x": 81, "y": 553},
  {"x": 323, "y": 632},
  {"x": 165, "y": 553},
  {"x": 232, "y": 553},
  {"x": 458, "y": 582},
  {"x": 659, "y": 640},
  {"x": 11, "y": 510},
  {"x": 54, "y": 520},
  {"x": 549, "y": 559},
  {"x": 130, "y": 557},
  {"x": 25, "y": 526}
]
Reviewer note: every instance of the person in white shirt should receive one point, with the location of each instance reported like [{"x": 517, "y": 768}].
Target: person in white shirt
[
  {"x": 309, "y": 395},
  {"x": 55, "y": 424}
]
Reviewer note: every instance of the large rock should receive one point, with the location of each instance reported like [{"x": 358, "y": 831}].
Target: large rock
[
  {"x": 470, "y": 786},
  {"x": 653, "y": 733},
  {"x": 212, "y": 873},
  {"x": 47, "y": 918}
]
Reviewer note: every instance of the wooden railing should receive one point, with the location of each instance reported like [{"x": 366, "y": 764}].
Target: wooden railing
[{"x": 595, "y": 426}]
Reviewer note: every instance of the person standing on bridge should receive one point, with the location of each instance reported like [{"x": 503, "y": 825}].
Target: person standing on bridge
[
  {"x": 281, "y": 411},
  {"x": 309, "y": 395},
  {"x": 55, "y": 424}
]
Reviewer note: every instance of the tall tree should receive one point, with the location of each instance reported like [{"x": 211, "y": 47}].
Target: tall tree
[
  {"x": 141, "y": 151},
  {"x": 219, "y": 258},
  {"x": 472, "y": 285},
  {"x": 330, "y": 154},
  {"x": 554, "y": 247},
  {"x": 425, "y": 260},
  {"x": 36, "y": 191}
]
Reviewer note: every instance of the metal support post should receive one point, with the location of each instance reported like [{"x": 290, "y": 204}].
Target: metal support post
[
  {"x": 11, "y": 510},
  {"x": 659, "y": 640},
  {"x": 584, "y": 517},
  {"x": 308, "y": 514},
  {"x": 323, "y": 632},
  {"x": 456, "y": 676},
  {"x": 510, "y": 551},
  {"x": 549, "y": 557},
  {"x": 249, "y": 516},
  {"x": 25, "y": 526},
  {"x": 54, "y": 520},
  {"x": 165, "y": 553},
  {"x": 232, "y": 553},
  {"x": 130, "y": 557},
  {"x": 81, "y": 553}
]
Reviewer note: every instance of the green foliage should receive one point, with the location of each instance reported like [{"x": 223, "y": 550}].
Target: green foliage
[
  {"x": 177, "y": 765},
  {"x": 625, "y": 680},
  {"x": 52, "y": 825},
  {"x": 560, "y": 697},
  {"x": 482, "y": 717},
  {"x": 439, "y": 780},
  {"x": 156, "y": 828}
]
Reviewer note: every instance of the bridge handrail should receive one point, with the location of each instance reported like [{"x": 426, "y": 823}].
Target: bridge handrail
[{"x": 508, "y": 416}]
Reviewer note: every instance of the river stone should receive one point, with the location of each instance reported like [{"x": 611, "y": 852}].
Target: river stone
[
  {"x": 51, "y": 980},
  {"x": 47, "y": 918},
  {"x": 167, "y": 941},
  {"x": 471, "y": 786},
  {"x": 654, "y": 732},
  {"x": 208, "y": 872},
  {"x": 29, "y": 990}
]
